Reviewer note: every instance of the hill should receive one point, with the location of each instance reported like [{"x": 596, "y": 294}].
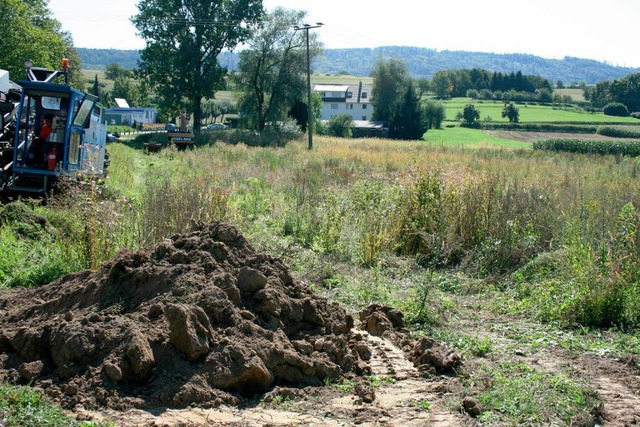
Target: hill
[{"x": 421, "y": 62}]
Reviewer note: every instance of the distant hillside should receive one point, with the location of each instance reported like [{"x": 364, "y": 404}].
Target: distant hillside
[{"x": 421, "y": 62}]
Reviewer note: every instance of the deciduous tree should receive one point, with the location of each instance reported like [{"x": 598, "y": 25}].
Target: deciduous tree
[
  {"x": 469, "y": 116},
  {"x": 390, "y": 80},
  {"x": 511, "y": 112},
  {"x": 183, "y": 41},
  {"x": 272, "y": 70},
  {"x": 30, "y": 32}
]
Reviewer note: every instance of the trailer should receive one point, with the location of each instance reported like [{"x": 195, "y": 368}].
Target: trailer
[{"x": 73, "y": 143}]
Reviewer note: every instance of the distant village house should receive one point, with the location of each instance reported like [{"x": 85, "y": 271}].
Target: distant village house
[
  {"x": 354, "y": 100},
  {"x": 122, "y": 114}
]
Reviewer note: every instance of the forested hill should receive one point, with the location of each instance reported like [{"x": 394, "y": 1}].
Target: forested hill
[{"x": 421, "y": 62}]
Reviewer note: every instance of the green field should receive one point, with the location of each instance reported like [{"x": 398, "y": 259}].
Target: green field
[
  {"x": 469, "y": 138},
  {"x": 530, "y": 113}
]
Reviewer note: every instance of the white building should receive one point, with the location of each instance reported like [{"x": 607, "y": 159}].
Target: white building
[{"x": 354, "y": 100}]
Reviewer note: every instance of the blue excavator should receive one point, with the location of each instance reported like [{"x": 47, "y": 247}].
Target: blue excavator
[{"x": 49, "y": 131}]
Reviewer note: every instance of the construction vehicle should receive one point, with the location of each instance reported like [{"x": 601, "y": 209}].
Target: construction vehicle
[{"x": 76, "y": 140}]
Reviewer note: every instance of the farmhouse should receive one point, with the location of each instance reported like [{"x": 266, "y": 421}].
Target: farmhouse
[
  {"x": 354, "y": 100},
  {"x": 125, "y": 115}
]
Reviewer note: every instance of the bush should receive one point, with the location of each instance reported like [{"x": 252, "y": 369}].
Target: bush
[
  {"x": 485, "y": 94},
  {"x": 472, "y": 93},
  {"x": 615, "y": 109},
  {"x": 635, "y": 115},
  {"x": 341, "y": 126}
]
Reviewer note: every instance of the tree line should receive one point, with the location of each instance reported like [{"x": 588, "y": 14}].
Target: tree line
[
  {"x": 456, "y": 83},
  {"x": 624, "y": 91}
]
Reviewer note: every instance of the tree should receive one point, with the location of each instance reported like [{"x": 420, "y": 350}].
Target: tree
[
  {"x": 441, "y": 85},
  {"x": 511, "y": 112},
  {"x": 407, "y": 118},
  {"x": 423, "y": 86},
  {"x": 126, "y": 89},
  {"x": 114, "y": 71},
  {"x": 434, "y": 114},
  {"x": 340, "y": 125},
  {"x": 183, "y": 41},
  {"x": 390, "y": 80},
  {"x": 272, "y": 71},
  {"x": 469, "y": 116},
  {"x": 29, "y": 32}
]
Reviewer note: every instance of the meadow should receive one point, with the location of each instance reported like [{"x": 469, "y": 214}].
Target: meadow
[
  {"x": 491, "y": 111},
  {"x": 456, "y": 231}
]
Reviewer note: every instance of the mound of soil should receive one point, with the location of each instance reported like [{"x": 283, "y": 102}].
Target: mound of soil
[{"x": 199, "y": 319}]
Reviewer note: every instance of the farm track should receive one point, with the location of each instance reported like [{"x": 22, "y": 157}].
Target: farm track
[
  {"x": 404, "y": 398},
  {"x": 615, "y": 380}
]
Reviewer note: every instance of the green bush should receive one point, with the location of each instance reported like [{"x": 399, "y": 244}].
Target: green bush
[
  {"x": 615, "y": 109},
  {"x": 340, "y": 125}
]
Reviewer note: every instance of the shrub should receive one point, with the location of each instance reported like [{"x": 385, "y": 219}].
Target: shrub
[
  {"x": 341, "y": 126},
  {"x": 485, "y": 94},
  {"x": 472, "y": 93},
  {"x": 615, "y": 109},
  {"x": 635, "y": 114}
]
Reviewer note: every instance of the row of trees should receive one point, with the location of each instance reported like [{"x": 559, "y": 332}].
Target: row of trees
[
  {"x": 625, "y": 91},
  {"x": 456, "y": 83}
]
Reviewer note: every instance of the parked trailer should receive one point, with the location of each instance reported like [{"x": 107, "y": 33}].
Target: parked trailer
[{"x": 76, "y": 144}]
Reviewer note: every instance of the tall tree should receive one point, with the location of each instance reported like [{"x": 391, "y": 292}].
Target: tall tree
[
  {"x": 407, "y": 117},
  {"x": 272, "y": 70},
  {"x": 30, "y": 32},
  {"x": 183, "y": 41},
  {"x": 390, "y": 80}
]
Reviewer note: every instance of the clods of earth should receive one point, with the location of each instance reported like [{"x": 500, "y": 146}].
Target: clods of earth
[{"x": 200, "y": 319}]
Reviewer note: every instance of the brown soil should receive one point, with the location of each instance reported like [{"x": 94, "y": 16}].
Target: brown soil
[{"x": 204, "y": 321}]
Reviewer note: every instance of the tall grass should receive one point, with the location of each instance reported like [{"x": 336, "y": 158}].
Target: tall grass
[{"x": 489, "y": 212}]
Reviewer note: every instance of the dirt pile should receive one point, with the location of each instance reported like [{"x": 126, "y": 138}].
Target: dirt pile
[{"x": 201, "y": 318}]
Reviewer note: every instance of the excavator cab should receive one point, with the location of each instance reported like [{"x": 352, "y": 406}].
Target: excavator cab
[{"x": 73, "y": 144}]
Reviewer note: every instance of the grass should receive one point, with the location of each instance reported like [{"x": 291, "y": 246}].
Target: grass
[
  {"x": 428, "y": 227},
  {"x": 530, "y": 113},
  {"x": 519, "y": 394},
  {"x": 24, "y": 407},
  {"x": 469, "y": 138}
]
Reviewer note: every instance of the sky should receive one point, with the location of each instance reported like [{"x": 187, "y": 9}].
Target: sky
[{"x": 604, "y": 31}]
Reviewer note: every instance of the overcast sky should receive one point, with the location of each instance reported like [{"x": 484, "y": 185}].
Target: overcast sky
[{"x": 604, "y": 31}]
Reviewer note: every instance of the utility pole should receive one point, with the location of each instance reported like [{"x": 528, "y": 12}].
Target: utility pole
[{"x": 306, "y": 28}]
